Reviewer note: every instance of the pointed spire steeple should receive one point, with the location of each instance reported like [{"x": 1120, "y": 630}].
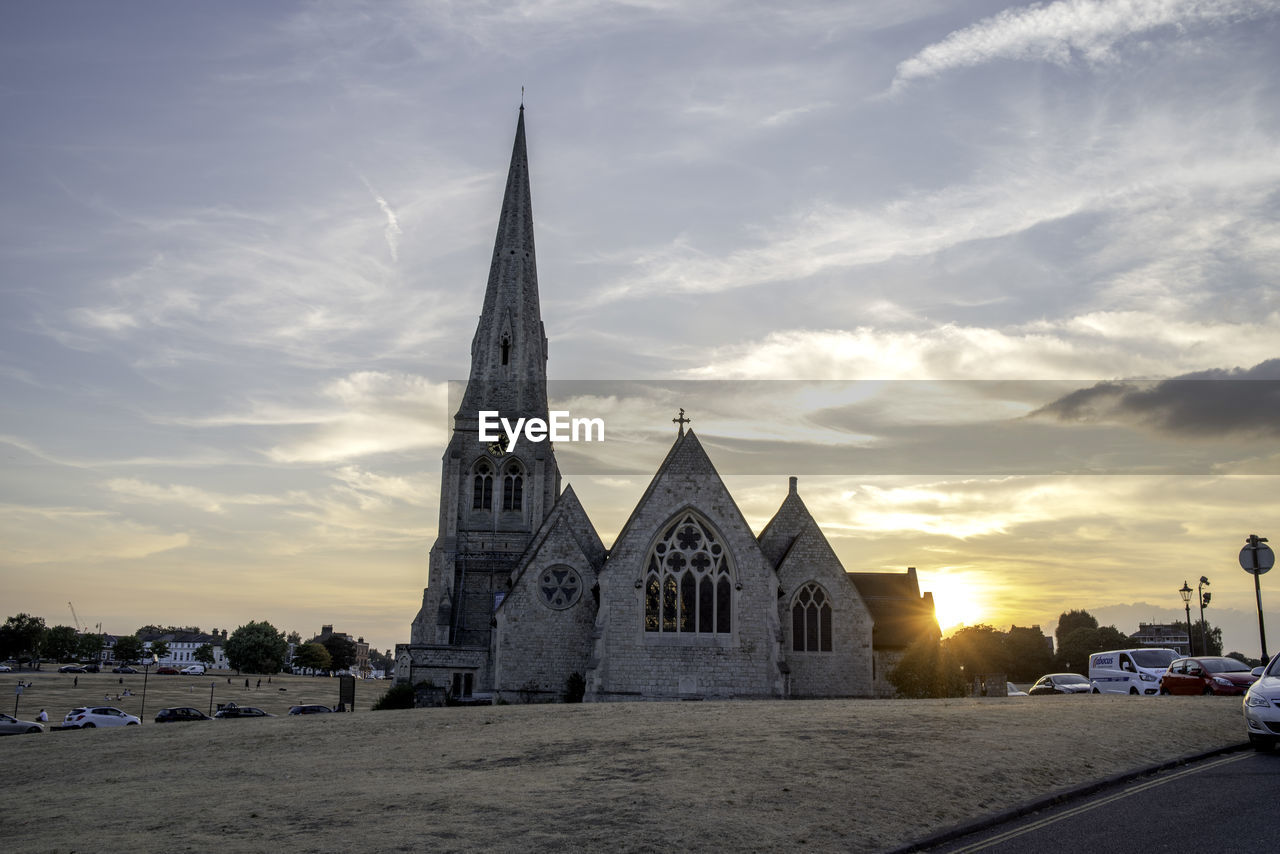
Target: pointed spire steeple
[{"x": 509, "y": 350}]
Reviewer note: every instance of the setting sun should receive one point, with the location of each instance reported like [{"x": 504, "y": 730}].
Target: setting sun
[{"x": 957, "y": 599}]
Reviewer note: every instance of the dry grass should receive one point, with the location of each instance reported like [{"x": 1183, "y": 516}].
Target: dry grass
[{"x": 849, "y": 775}]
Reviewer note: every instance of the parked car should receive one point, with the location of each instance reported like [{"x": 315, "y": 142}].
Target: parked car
[
  {"x": 1013, "y": 691},
  {"x": 1207, "y": 674},
  {"x": 71, "y": 668},
  {"x": 166, "y": 670},
  {"x": 10, "y": 725},
  {"x": 231, "y": 710},
  {"x": 1062, "y": 683},
  {"x": 124, "y": 668},
  {"x": 193, "y": 670},
  {"x": 309, "y": 709},
  {"x": 183, "y": 713},
  {"x": 4, "y": 668},
  {"x": 92, "y": 668},
  {"x": 1262, "y": 707},
  {"x": 88, "y": 717}
]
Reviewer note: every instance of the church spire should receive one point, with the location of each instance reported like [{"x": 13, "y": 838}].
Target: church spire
[{"x": 509, "y": 350}]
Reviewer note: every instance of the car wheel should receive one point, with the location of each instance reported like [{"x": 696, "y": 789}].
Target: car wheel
[
  {"x": 35, "y": 729},
  {"x": 1164, "y": 692},
  {"x": 1262, "y": 743},
  {"x": 1208, "y": 691},
  {"x": 89, "y": 725},
  {"x": 132, "y": 723},
  {"x": 1133, "y": 692},
  {"x": 1096, "y": 691}
]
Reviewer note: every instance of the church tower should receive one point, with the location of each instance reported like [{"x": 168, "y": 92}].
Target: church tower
[{"x": 492, "y": 497}]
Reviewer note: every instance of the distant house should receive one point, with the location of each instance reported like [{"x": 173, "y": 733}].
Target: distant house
[
  {"x": 183, "y": 646},
  {"x": 361, "y": 664},
  {"x": 1163, "y": 636}
]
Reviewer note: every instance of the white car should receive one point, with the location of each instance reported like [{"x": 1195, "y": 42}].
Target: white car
[
  {"x": 1262, "y": 707},
  {"x": 193, "y": 670},
  {"x": 88, "y": 717}
]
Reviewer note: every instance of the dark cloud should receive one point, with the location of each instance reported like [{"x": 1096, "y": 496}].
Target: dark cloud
[{"x": 1241, "y": 401}]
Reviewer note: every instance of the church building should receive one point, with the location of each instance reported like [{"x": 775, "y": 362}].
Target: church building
[{"x": 525, "y": 603}]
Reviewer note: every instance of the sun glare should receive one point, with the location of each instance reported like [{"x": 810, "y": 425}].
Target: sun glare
[{"x": 956, "y": 599}]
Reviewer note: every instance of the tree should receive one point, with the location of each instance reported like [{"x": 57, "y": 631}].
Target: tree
[
  {"x": 128, "y": 649},
  {"x": 312, "y": 656},
  {"x": 1069, "y": 621},
  {"x": 1075, "y": 648},
  {"x": 256, "y": 647},
  {"x": 204, "y": 654},
  {"x": 21, "y": 636},
  {"x": 60, "y": 643},
  {"x": 927, "y": 669},
  {"x": 159, "y": 648},
  {"x": 979, "y": 649},
  {"x": 89, "y": 646},
  {"x": 342, "y": 651},
  {"x": 294, "y": 638},
  {"x": 1203, "y": 629},
  {"x": 1030, "y": 654}
]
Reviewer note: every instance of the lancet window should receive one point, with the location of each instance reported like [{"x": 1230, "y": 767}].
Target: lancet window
[
  {"x": 482, "y": 487},
  {"x": 688, "y": 581},
  {"x": 513, "y": 487},
  {"x": 811, "y": 619}
]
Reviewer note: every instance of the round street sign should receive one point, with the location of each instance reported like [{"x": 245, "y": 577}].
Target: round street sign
[{"x": 1257, "y": 560}]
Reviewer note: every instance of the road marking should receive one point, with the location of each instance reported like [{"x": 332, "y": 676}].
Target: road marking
[{"x": 1074, "y": 811}]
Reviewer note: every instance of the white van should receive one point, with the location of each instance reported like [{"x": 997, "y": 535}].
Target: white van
[
  {"x": 193, "y": 670},
  {"x": 1129, "y": 671}
]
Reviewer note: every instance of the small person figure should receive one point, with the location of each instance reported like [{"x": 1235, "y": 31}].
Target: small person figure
[
  {"x": 43, "y": 717},
  {"x": 259, "y": 683}
]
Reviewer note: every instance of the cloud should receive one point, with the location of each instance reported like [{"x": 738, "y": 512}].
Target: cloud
[
  {"x": 392, "y": 232},
  {"x": 1202, "y": 404},
  {"x": 52, "y": 535},
  {"x": 1061, "y": 32}
]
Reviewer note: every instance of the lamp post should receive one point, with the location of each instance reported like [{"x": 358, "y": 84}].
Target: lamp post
[
  {"x": 1186, "y": 592},
  {"x": 146, "y": 671},
  {"x": 1204, "y": 603}
]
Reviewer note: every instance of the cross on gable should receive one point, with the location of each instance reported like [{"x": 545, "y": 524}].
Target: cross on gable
[{"x": 681, "y": 421}]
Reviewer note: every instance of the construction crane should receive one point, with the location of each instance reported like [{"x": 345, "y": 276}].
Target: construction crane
[{"x": 74, "y": 617}]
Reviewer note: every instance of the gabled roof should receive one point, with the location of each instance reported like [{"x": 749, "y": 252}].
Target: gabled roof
[
  {"x": 901, "y": 613},
  {"x": 568, "y": 516},
  {"x": 792, "y": 518},
  {"x": 686, "y": 458}
]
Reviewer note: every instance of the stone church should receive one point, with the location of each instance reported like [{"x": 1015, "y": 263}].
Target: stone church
[{"x": 524, "y": 599}]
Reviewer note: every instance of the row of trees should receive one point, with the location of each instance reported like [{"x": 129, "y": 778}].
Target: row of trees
[
  {"x": 945, "y": 668},
  {"x": 256, "y": 647}
]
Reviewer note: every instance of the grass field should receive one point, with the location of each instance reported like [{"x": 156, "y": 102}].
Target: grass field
[
  {"x": 837, "y": 775},
  {"x": 57, "y": 693}
]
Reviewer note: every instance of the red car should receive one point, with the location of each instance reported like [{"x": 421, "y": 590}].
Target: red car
[
  {"x": 166, "y": 671},
  {"x": 1208, "y": 674}
]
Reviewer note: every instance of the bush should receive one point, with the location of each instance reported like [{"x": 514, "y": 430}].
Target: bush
[
  {"x": 575, "y": 688},
  {"x": 397, "y": 697}
]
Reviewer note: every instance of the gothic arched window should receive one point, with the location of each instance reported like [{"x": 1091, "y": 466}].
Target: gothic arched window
[
  {"x": 482, "y": 487},
  {"x": 506, "y": 349},
  {"x": 688, "y": 580},
  {"x": 811, "y": 619},
  {"x": 513, "y": 487}
]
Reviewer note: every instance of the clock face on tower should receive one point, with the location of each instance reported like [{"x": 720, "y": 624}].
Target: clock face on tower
[{"x": 499, "y": 447}]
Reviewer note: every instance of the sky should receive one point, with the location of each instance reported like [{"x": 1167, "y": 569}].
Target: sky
[{"x": 995, "y": 281}]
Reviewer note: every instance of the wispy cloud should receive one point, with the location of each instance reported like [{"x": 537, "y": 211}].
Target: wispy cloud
[{"x": 1063, "y": 31}]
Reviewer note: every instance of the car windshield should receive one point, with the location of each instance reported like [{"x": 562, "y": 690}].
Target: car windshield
[
  {"x": 1224, "y": 665},
  {"x": 1153, "y": 658},
  {"x": 1069, "y": 679}
]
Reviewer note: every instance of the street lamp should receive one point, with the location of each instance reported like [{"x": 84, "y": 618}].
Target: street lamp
[
  {"x": 1186, "y": 592},
  {"x": 146, "y": 671},
  {"x": 1204, "y": 603}
]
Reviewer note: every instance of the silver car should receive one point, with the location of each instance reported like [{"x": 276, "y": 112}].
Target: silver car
[
  {"x": 1262, "y": 707},
  {"x": 88, "y": 717},
  {"x": 10, "y": 725}
]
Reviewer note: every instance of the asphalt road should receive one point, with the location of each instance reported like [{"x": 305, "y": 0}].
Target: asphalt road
[{"x": 1225, "y": 803}]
